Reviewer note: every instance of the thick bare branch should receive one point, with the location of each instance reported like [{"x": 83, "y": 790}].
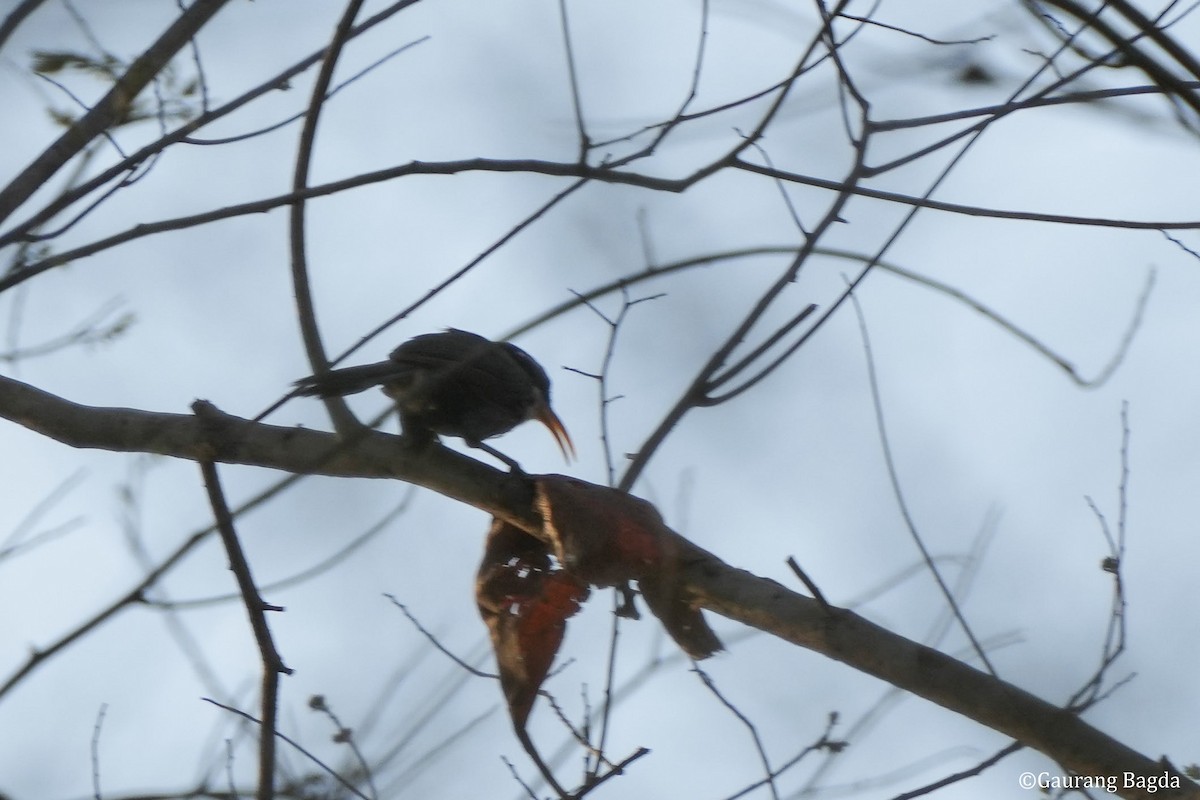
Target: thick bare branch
[
  {"x": 708, "y": 581},
  {"x": 111, "y": 108},
  {"x": 935, "y": 676},
  {"x": 228, "y": 439}
]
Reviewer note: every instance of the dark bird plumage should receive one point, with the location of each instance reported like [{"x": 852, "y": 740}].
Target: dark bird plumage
[{"x": 454, "y": 383}]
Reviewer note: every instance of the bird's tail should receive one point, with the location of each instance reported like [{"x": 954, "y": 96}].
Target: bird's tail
[{"x": 350, "y": 380}]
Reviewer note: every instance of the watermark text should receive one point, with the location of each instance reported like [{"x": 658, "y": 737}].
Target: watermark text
[{"x": 1109, "y": 783}]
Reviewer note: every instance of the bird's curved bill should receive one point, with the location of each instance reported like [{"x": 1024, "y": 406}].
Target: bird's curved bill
[{"x": 548, "y": 418}]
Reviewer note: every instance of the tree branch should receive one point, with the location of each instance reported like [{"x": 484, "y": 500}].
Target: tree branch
[
  {"x": 928, "y": 673},
  {"x": 256, "y": 608},
  {"x": 709, "y": 582},
  {"x": 111, "y": 108},
  {"x": 232, "y": 440}
]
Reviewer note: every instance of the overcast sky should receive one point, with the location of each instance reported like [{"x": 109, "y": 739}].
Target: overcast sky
[{"x": 989, "y": 437}]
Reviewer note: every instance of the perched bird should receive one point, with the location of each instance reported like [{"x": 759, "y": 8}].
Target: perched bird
[{"x": 454, "y": 383}]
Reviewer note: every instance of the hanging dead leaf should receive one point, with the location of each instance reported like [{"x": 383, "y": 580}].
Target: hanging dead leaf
[
  {"x": 525, "y": 599},
  {"x": 607, "y": 537}
]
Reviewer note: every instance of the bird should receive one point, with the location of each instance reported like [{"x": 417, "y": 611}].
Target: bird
[{"x": 454, "y": 383}]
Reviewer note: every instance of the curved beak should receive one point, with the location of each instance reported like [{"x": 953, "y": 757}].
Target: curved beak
[{"x": 547, "y": 417}]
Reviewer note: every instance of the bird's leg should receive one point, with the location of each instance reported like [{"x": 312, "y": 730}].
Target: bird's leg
[
  {"x": 417, "y": 437},
  {"x": 513, "y": 466},
  {"x": 414, "y": 435}
]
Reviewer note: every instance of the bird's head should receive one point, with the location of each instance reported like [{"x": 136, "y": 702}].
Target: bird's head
[{"x": 540, "y": 409}]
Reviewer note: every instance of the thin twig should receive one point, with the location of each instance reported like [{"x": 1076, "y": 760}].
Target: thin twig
[
  {"x": 807, "y": 581},
  {"x": 272, "y": 663},
  {"x": 652, "y": 272},
  {"x": 530, "y": 750},
  {"x": 902, "y": 504},
  {"x": 345, "y": 735},
  {"x": 1093, "y": 690},
  {"x": 617, "y": 769},
  {"x": 135, "y": 595},
  {"x": 427, "y": 759},
  {"x": 109, "y": 109},
  {"x": 823, "y": 743},
  {"x": 339, "y": 412},
  {"x": 956, "y": 777},
  {"x": 306, "y": 574},
  {"x": 585, "y": 144},
  {"x": 582, "y": 174},
  {"x": 130, "y": 165},
  {"x": 768, "y": 772},
  {"x": 433, "y": 640},
  {"x": 16, "y": 17},
  {"x": 283, "y": 123},
  {"x": 96, "y": 750},
  {"x": 517, "y": 777},
  {"x": 935, "y": 634},
  {"x": 681, "y": 116},
  {"x": 40, "y": 508},
  {"x": 296, "y": 745},
  {"x": 130, "y": 493}
]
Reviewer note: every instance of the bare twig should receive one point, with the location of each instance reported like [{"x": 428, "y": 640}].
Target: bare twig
[
  {"x": 1156, "y": 71},
  {"x": 466, "y": 268},
  {"x": 978, "y": 769},
  {"x": 295, "y": 745},
  {"x": 901, "y": 503},
  {"x": 1093, "y": 690},
  {"x": 273, "y": 664},
  {"x": 42, "y": 655},
  {"x": 339, "y": 412},
  {"x": 807, "y": 581},
  {"x": 517, "y": 777},
  {"x": 130, "y": 165},
  {"x": 866, "y": 20},
  {"x": 130, "y": 497},
  {"x": 16, "y": 17},
  {"x": 652, "y": 272},
  {"x": 768, "y": 771},
  {"x": 96, "y": 750},
  {"x": 110, "y": 108},
  {"x": 306, "y": 574},
  {"x": 823, "y": 743},
  {"x": 16, "y": 539},
  {"x": 433, "y": 640},
  {"x": 583, "y": 174},
  {"x": 625, "y": 607},
  {"x": 681, "y": 116},
  {"x": 585, "y": 142},
  {"x": 617, "y": 769},
  {"x": 697, "y": 393},
  {"x": 345, "y": 736},
  {"x": 969, "y": 567},
  {"x": 1179, "y": 243},
  {"x": 256, "y": 607},
  {"x": 283, "y": 123}
]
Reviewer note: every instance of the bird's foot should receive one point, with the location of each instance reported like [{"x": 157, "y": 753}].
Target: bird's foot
[{"x": 628, "y": 606}]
